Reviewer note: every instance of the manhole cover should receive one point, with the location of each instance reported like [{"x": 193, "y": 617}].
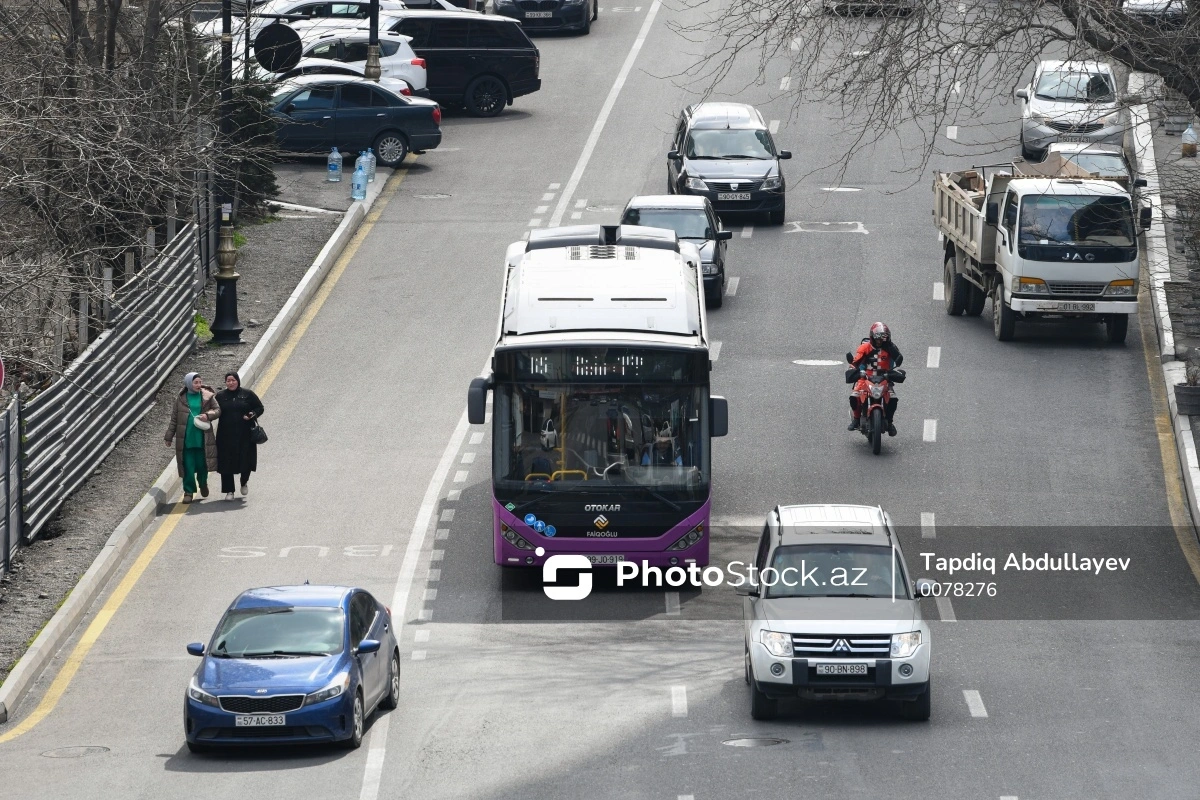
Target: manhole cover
[
  {"x": 438, "y": 196},
  {"x": 754, "y": 741},
  {"x": 75, "y": 752}
]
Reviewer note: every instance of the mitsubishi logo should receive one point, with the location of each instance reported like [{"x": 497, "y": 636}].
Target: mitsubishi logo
[
  {"x": 841, "y": 646},
  {"x": 601, "y": 522}
]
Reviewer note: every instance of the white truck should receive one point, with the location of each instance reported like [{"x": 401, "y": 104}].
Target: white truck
[{"x": 1043, "y": 247}]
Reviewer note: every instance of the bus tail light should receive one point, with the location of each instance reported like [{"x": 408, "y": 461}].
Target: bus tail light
[{"x": 689, "y": 539}]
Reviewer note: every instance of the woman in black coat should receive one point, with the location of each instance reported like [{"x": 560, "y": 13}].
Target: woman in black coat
[{"x": 236, "y": 451}]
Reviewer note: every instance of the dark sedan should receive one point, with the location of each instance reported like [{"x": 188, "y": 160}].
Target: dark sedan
[
  {"x": 292, "y": 664},
  {"x": 319, "y": 112}
]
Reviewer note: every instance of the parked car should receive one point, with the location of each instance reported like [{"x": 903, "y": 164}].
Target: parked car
[
  {"x": 850, "y": 628},
  {"x": 441, "y": 5},
  {"x": 551, "y": 15},
  {"x": 724, "y": 151},
  {"x": 693, "y": 219},
  {"x": 318, "y": 112},
  {"x": 1163, "y": 13},
  {"x": 1069, "y": 101},
  {"x": 1103, "y": 160},
  {"x": 349, "y": 46},
  {"x": 868, "y": 8},
  {"x": 292, "y": 664},
  {"x": 262, "y": 15},
  {"x": 323, "y": 66}
]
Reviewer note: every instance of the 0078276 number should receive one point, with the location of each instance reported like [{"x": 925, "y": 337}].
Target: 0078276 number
[{"x": 949, "y": 589}]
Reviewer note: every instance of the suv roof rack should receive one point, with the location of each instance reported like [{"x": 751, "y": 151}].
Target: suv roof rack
[{"x": 587, "y": 235}]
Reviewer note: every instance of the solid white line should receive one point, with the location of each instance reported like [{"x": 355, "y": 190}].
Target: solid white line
[
  {"x": 773, "y": 126},
  {"x": 939, "y": 291},
  {"x": 547, "y": 197},
  {"x": 928, "y": 525},
  {"x": 930, "y": 430},
  {"x": 974, "y": 703},
  {"x": 609, "y": 102},
  {"x": 421, "y": 636},
  {"x": 714, "y": 351},
  {"x": 693, "y": 797},
  {"x": 747, "y": 231},
  {"x": 945, "y": 610},
  {"x": 678, "y": 701},
  {"x": 935, "y": 358},
  {"x": 576, "y": 215},
  {"x": 673, "y": 604},
  {"x": 952, "y": 132},
  {"x": 461, "y": 475},
  {"x": 535, "y": 223},
  {"x": 541, "y": 209},
  {"x": 785, "y": 82},
  {"x": 453, "y": 495},
  {"x": 1009, "y": 797},
  {"x": 581, "y": 203},
  {"x": 373, "y": 772},
  {"x": 468, "y": 458},
  {"x": 731, "y": 287},
  {"x": 817, "y": 362},
  {"x": 476, "y": 438}
]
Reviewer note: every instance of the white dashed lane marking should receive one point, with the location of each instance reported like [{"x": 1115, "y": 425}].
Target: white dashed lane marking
[
  {"x": 435, "y": 575},
  {"x": 785, "y": 83},
  {"x": 731, "y": 287},
  {"x": 421, "y": 636},
  {"x": 453, "y": 495},
  {"x": 546, "y": 198},
  {"x": 442, "y": 533},
  {"x": 930, "y": 430},
  {"x": 935, "y": 358},
  {"x": 679, "y": 701},
  {"x": 673, "y": 604},
  {"x": 939, "y": 291},
  {"x": 424, "y": 615},
  {"x": 576, "y": 215},
  {"x": 461, "y": 475},
  {"x": 476, "y": 438},
  {"x": 541, "y": 209},
  {"x": 437, "y": 555},
  {"x": 945, "y": 610},
  {"x": 581, "y": 203},
  {"x": 952, "y": 132},
  {"x": 447, "y": 515},
  {"x": 773, "y": 126},
  {"x": 714, "y": 351},
  {"x": 974, "y": 703},
  {"x": 468, "y": 458},
  {"x": 430, "y": 595},
  {"x": 928, "y": 525},
  {"x": 535, "y": 223},
  {"x": 747, "y": 231},
  {"x": 555, "y": 186},
  {"x": 418, "y": 655}
]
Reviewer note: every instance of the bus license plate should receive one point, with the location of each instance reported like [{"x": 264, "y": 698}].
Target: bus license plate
[
  {"x": 258, "y": 721},
  {"x": 1089, "y": 307},
  {"x": 733, "y": 195},
  {"x": 610, "y": 559},
  {"x": 539, "y": 14},
  {"x": 841, "y": 669}
]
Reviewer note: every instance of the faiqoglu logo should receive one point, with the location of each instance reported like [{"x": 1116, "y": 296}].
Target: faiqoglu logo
[{"x": 550, "y": 575}]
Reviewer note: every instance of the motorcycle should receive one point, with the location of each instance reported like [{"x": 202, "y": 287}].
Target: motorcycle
[{"x": 872, "y": 402}]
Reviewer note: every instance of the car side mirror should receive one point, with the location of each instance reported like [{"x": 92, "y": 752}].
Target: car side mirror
[
  {"x": 367, "y": 646},
  {"x": 477, "y": 400},
  {"x": 723, "y": 235},
  {"x": 1139, "y": 183},
  {"x": 924, "y": 587},
  {"x": 1022, "y": 94},
  {"x": 718, "y": 416},
  {"x": 196, "y": 648},
  {"x": 289, "y": 108},
  {"x": 785, "y": 154},
  {"x": 1145, "y": 216},
  {"x": 673, "y": 155},
  {"x": 993, "y": 214}
]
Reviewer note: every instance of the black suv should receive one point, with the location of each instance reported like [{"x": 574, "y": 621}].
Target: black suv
[
  {"x": 724, "y": 151},
  {"x": 481, "y": 63}
]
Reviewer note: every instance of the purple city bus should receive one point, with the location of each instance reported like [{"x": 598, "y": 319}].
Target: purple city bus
[{"x": 601, "y": 418}]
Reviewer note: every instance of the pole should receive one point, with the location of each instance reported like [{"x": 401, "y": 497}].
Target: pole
[
  {"x": 372, "y": 71},
  {"x": 225, "y": 328}
]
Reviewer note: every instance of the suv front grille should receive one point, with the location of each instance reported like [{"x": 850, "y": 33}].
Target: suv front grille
[
  {"x": 1076, "y": 289},
  {"x": 813, "y": 645},
  {"x": 262, "y": 705},
  {"x": 727, "y": 186},
  {"x": 1066, "y": 127}
]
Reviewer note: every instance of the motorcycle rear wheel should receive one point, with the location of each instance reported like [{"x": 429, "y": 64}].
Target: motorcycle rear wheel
[{"x": 876, "y": 430}]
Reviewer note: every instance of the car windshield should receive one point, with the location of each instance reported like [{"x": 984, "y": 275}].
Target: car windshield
[
  {"x": 1100, "y": 163},
  {"x": 280, "y": 93},
  {"x": 730, "y": 143},
  {"x": 835, "y": 570},
  {"x": 279, "y": 631},
  {"x": 1076, "y": 220},
  {"x": 1075, "y": 87},
  {"x": 688, "y": 223}
]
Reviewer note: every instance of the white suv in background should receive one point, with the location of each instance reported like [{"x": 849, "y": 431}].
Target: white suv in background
[
  {"x": 348, "y": 47},
  {"x": 837, "y": 616}
]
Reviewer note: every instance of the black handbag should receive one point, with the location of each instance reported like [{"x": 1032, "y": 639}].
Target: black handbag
[{"x": 257, "y": 434}]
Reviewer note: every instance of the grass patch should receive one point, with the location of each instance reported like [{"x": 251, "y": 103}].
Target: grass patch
[
  {"x": 239, "y": 239},
  {"x": 203, "y": 332}
]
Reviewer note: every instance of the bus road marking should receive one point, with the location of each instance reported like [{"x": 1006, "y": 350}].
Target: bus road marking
[
  {"x": 715, "y": 351},
  {"x": 945, "y": 610},
  {"x": 747, "y": 231},
  {"x": 673, "y": 604},
  {"x": 935, "y": 358},
  {"x": 974, "y": 703},
  {"x": 468, "y": 458},
  {"x": 939, "y": 291},
  {"x": 732, "y": 286},
  {"x": 928, "y": 525},
  {"x": 461, "y": 475},
  {"x": 678, "y": 701},
  {"x": 930, "y": 430}
]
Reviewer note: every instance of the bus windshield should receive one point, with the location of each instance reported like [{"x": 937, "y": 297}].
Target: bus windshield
[{"x": 1079, "y": 220}]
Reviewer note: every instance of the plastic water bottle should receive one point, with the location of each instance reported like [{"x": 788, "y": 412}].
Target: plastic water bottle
[
  {"x": 335, "y": 166},
  {"x": 361, "y": 160},
  {"x": 370, "y": 166},
  {"x": 358, "y": 184},
  {"x": 1189, "y": 143}
]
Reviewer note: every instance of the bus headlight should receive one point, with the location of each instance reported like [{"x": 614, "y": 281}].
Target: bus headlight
[
  {"x": 513, "y": 538},
  {"x": 905, "y": 644},
  {"x": 777, "y": 644},
  {"x": 690, "y": 539},
  {"x": 1030, "y": 286},
  {"x": 1126, "y": 287}
]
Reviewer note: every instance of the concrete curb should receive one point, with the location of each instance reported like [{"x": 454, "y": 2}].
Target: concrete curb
[
  {"x": 159, "y": 497},
  {"x": 1158, "y": 267}
]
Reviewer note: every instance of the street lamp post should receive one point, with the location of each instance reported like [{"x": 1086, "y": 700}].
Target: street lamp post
[
  {"x": 225, "y": 328},
  {"x": 372, "y": 71}
]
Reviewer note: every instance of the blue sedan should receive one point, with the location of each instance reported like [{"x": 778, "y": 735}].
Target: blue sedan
[{"x": 292, "y": 664}]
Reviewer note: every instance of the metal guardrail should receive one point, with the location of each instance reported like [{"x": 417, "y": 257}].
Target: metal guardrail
[
  {"x": 10, "y": 483},
  {"x": 69, "y": 429}
]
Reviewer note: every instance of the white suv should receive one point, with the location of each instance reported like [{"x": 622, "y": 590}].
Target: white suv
[
  {"x": 833, "y": 613},
  {"x": 348, "y": 46}
]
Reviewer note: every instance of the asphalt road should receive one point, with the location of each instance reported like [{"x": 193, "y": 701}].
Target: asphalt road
[{"x": 1057, "y": 689}]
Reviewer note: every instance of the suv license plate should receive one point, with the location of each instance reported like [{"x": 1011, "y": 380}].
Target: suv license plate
[
  {"x": 841, "y": 669},
  {"x": 1070, "y": 307},
  {"x": 733, "y": 195},
  {"x": 539, "y": 14},
  {"x": 612, "y": 559},
  {"x": 258, "y": 721}
]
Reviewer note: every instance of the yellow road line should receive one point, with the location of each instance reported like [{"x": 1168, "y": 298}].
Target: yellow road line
[
  {"x": 74, "y": 661},
  {"x": 1177, "y": 505}
]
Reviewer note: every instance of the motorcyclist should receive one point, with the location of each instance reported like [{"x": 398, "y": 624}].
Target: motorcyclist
[{"x": 877, "y": 353}]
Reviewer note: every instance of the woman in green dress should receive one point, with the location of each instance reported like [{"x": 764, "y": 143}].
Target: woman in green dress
[{"x": 195, "y": 444}]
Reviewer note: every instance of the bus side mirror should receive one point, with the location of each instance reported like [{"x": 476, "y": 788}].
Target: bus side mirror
[
  {"x": 993, "y": 214},
  {"x": 718, "y": 416},
  {"x": 1144, "y": 217},
  {"x": 477, "y": 401}
]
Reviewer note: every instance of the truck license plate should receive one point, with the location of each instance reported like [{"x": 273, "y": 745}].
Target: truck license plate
[
  {"x": 1086, "y": 307},
  {"x": 841, "y": 669},
  {"x": 258, "y": 721},
  {"x": 609, "y": 559},
  {"x": 733, "y": 195},
  {"x": 539, "y": 14}
]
